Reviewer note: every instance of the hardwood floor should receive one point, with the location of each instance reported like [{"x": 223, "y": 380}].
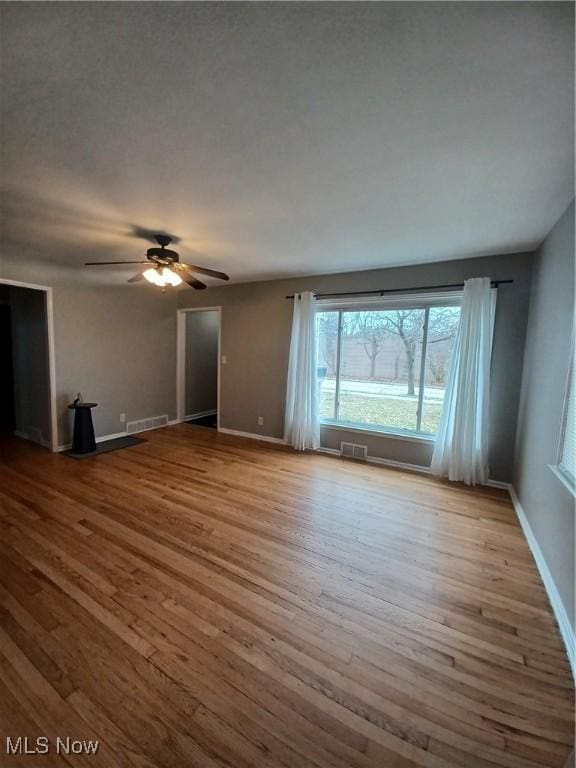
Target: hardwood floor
[{"x": 204, "y": 600}]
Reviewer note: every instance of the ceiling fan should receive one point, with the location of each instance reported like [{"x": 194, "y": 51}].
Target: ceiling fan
[{"x": 166, "y": 267}]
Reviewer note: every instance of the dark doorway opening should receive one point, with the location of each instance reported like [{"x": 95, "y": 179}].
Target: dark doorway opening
[
  {"x": 205, "y": 421},
  {"x": 25, "y": 405},
  {"x": 201, "y": 345},
  {"x": 7, "y": 412}
]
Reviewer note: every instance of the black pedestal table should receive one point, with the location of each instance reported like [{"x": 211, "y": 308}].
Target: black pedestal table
[{"x": 83, "y": 440}]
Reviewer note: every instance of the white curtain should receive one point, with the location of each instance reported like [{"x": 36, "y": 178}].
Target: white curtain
[
  {"x": 461, "y": 450},
  {"x": 302, "y": 423}
]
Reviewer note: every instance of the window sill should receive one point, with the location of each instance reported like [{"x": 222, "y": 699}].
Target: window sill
[
  {"x": 563, "y": 479},
  {"x": 381, "y": 432}
]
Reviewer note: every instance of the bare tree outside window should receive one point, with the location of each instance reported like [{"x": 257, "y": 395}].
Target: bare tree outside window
[
  {"x": 380, "y": 368},
  {"x": 372, "y": 331},
  {"x": 408, "y": 324}
]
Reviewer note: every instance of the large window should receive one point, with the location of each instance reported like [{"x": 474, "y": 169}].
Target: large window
[
  {"x": 567, "y": 450},
  {"x": 384, "y": 366}
]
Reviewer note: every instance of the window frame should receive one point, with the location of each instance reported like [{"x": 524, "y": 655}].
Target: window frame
[
  {"x": 561, "y": 471},
  {"x": 414, "y": 300}
]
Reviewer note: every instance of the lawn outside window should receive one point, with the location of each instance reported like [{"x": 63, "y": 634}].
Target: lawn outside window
[{"x": 383, "y": 363}]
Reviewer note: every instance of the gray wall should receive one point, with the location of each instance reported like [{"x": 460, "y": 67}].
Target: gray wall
[
  {"x": 30, "y": 361},
  {"x": 201, "y": 366},
  {"x": 548, "y": 504},
  {"x": 117, "y": 346},
  {"x": 256, "y": 321}
]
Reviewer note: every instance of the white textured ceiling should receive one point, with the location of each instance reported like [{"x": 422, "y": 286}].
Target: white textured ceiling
[{"x": 283, "y": 138}]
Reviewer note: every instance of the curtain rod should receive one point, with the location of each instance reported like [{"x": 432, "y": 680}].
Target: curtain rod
[{"x": 453, "y": 286}]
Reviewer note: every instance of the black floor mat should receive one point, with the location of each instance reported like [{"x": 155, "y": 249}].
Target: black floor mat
[
  {"x": 205, "y": 421},
  {"x": 107, "y": 446}
]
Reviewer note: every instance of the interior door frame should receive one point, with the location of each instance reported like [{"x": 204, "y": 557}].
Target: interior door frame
[
  {"x": 181, "y": 360},
  {"x": 49, "y": 304}
]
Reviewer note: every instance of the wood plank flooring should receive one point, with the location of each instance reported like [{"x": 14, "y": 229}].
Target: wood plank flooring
[{"x": 202, "y": 600}]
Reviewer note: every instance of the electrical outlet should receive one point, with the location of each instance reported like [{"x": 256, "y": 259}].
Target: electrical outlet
[
  {"x": 224, "y": 359},
  {"x": 260, "y": 421},
  {"x": 122, "y": 418}
]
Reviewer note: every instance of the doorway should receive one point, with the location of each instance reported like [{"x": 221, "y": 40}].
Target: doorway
[
  {"x": 198, "y": 366},
  {"x": 7, "y": 415},
  {"x": 27, "y": 389}
]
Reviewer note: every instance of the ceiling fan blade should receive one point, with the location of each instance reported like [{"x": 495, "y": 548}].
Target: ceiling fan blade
[
  {"x": 108, "y": 263},
  {"x": 191, "y": 281},
  {"x": 205, "y": 271},
  {"x": 155, "y": 260},
  {"x": 136, "y": 278}
]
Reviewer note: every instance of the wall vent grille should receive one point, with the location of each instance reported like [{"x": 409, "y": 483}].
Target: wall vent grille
[
  {"x": 354, "y": 451},
  {"x": 143, "y": 425}
]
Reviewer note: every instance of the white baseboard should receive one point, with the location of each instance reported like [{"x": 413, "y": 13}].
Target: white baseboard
[
  {"x": 200, "y": 414},
  {"x": 499, "y": 484},
  {"x": 383, "y": 462},
  {"x": 408, "y": 467},
  {"x": 252, "y": 436},
  {"x": 112, "y": 437},
  {"x": 399, "y": 465},
  {"x": 566, "y": 629},
  {"x": 27, "y": 436},
  {"x": 100, "y": 439},
  {"x": 103, "y": 438}
]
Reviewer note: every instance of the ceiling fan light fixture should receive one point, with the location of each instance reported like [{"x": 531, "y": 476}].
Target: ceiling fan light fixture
[
  {"x": 162, "y": 277},
  {"x": 170, "y": 277},
  {"x": 153, "y": 276}
]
